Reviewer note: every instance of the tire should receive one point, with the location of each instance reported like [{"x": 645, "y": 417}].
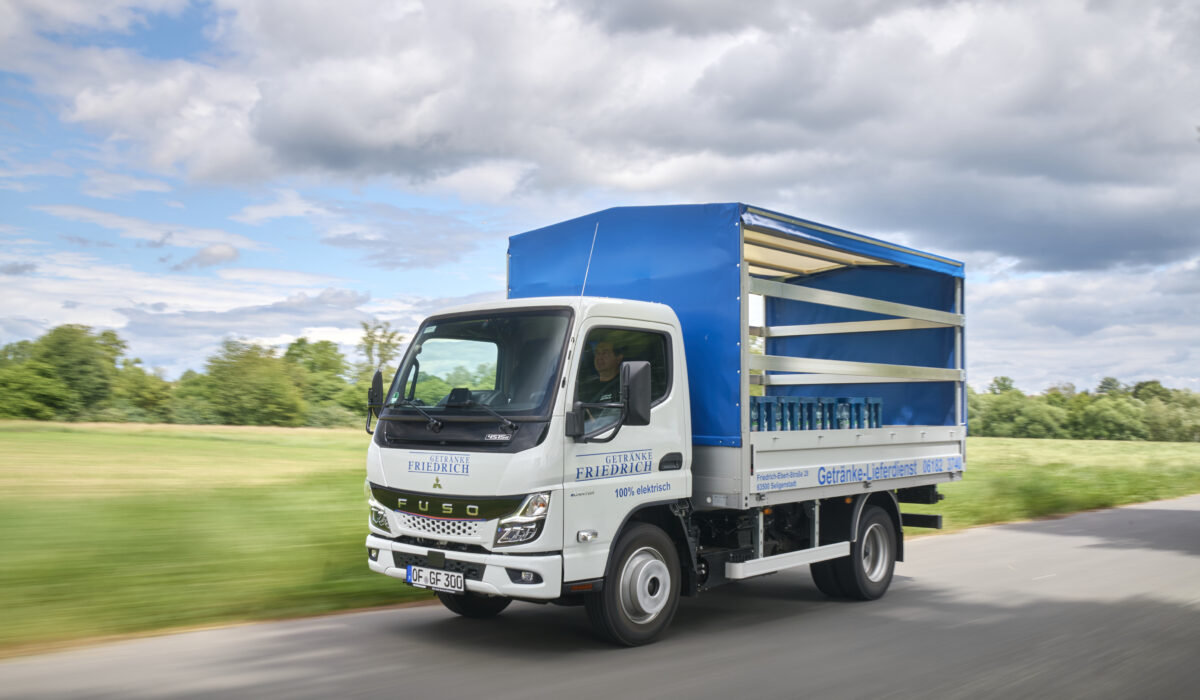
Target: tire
[
  {"x": 641, "y": 588},
  {"x": 826, "y": 579},
  {"x": 473, "y": 605},
  {"x": 867, "y": 572}
]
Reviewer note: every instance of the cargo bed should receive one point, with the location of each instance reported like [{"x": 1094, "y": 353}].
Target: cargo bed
[{"x": 831, "y": 299}]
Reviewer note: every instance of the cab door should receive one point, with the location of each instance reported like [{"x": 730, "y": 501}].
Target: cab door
[{"x": 609, "y": 476}]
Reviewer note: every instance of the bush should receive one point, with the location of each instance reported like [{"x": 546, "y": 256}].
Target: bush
[
  {"x": 32, "y": 390},
  {"x": 248, "y": 385},
  {"x": 332, "y": 416}
]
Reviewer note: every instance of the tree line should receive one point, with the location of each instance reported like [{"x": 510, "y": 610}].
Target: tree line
[
  {"x": 76, "y": 373},
  {"x": 1112, "y": 411}
]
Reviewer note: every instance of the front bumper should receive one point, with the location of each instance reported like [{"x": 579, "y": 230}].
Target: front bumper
[{"x": 484, "y": 573}]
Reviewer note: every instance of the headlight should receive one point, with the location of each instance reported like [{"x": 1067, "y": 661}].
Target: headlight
[
  {"x": 367, "y": 488},
  {"x": 526, "y": 525},
  {"x": 379, "y": 519},
  {"x": 535, "y": 506}
]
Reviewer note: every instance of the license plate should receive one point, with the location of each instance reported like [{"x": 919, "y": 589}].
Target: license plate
[{"x": 436, "y": 579}]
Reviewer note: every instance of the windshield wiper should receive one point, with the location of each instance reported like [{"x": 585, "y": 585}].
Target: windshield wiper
[
  {"x": 503, "y": 421},
  {"x": 434, "y": 424},
  {"x": 461, "y": 398}
]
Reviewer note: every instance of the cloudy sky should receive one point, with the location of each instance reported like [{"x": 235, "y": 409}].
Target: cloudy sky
[{"x": 185, "y": 171}]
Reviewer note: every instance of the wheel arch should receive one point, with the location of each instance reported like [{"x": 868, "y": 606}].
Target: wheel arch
[
  {"x": 661, "y": 515},
  {"x": 890, "y": 505}
]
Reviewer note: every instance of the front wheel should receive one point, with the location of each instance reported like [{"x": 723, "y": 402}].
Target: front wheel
[
  {"x": 473, "y": 605},
  {"x": 641, "y": 589},
  {"x": 867, "y": 572}
]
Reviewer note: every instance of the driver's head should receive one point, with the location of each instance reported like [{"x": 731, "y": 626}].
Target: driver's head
[{"x": 607, "y": 359}]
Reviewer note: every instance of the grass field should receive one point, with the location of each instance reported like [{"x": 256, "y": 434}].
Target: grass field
[
  {"x": 121, "y": 529},
  {"x": 116, "y": 529},
  {"x": 1016, "y": 479}
]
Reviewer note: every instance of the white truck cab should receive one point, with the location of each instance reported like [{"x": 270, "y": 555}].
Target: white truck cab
[{"x": 609, "y": 451}]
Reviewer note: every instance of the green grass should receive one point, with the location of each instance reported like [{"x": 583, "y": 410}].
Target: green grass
[
  {"x": 1015, "y": 479},
  {"x": 123, "y": 529},
  {"x": 112, "y": 530}
]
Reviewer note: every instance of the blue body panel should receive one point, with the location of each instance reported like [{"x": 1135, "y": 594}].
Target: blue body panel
[{"x": 686, "y": 257}]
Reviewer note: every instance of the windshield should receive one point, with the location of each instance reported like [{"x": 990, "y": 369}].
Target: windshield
[{"x": 509, "y": 361}]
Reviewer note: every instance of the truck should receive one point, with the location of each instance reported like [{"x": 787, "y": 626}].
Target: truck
[{"x": 670, "y": 398}]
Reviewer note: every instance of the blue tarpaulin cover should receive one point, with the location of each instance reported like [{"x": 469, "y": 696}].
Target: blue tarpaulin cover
[
  {"x": 689, "y": 257},
  {"x": 904, "y": 403}
]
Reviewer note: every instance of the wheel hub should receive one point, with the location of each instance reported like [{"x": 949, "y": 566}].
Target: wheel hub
[
  {"x": 874, "y": 553},
  {"x": 645, "y": 585}
]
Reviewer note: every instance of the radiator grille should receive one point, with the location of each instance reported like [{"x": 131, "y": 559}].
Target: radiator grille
[{"x": 434, "y": 526}]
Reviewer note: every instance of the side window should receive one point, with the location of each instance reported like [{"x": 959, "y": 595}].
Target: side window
[{"x": 599, "y": 378}]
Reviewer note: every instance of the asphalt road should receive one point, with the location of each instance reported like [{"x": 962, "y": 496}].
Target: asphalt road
[{"x": 1097, "y": 605}]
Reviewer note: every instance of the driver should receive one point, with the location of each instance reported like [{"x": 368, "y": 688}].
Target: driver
[{"x": 605, "y": 387}]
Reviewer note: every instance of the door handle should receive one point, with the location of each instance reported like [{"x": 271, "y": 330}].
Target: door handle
[{"x": 670, "y": 462}]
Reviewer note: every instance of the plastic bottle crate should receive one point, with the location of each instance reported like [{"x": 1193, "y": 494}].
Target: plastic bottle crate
[
  {"x": 827, "y": 407},
  {"x": 814, "y": 413},
  {"x": 852, "y": 412},
  {"x": 763, "y": 411},
  {"x": 874, "y": 407},
  {"x": 774, "y": 413},
  {"x": 806, "y": 413},
  {"x": 788, "y": 412}
]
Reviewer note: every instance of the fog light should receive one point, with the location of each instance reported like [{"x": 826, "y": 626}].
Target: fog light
[
  {"x": 373, "y": 554},
  {"x": 521, "y": 576}
]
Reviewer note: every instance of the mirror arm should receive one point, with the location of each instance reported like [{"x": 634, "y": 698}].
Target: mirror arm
[{"x": 616, "y": 428}]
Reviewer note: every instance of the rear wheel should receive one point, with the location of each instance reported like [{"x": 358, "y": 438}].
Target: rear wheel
[
  {"x": 826, "y": 579},
  {"x": 473, "y": 605},
  {"x": 867, "y": 572},
  {"x": 641, "y": 589}
]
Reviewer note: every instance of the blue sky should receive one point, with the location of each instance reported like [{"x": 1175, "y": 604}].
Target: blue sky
[{"x": 184, "y": 172}]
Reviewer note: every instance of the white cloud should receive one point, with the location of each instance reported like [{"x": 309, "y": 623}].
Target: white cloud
[
  {"x": 390, "y": 236},
  {"x": 18, "y": 176},
  {"x": 208, "y": 256},
  {"x": 174, "y": 321},
  {"x": 960, "y": 121},
  {"x": 75, "y": 15},
  {"x": 17, "y": 268},
  {"x": 281, "y": 278},
  {"x": 288, "y": 204},
  {"x": 108, "y": 185},
  {"x": 156, "y": 233},
  {"x": 1134, "y": 324},
  {"x": 968, "y": 128},
  {"x": 487, "y": 181}
]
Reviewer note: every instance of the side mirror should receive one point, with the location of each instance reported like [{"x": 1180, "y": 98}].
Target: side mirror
[
  {"x": 375, "y": 394},
  {"x": 635, "y": 392},
  {"x": 634, "y": 406}
]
